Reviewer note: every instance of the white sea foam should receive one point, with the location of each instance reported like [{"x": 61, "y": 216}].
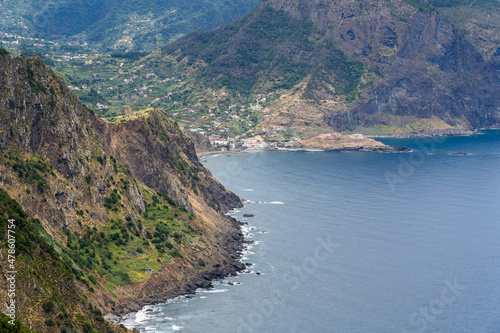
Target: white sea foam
[
  {"x": 208, "y": 157},
  {"x": 177, "y": 299},
  {"x": 252, "y": 202},
  {"x": 216, "y": 290},
  {"x": 248, "y": 190},
  {"x": 177, "y": 328},
  {"x": 246, "y": 231},
  {"x": 276, "y": 203},
  {"x": 140, "y": 316},
  {"x": 233, "y": 211},
  {"x": 250, "y": 246}
]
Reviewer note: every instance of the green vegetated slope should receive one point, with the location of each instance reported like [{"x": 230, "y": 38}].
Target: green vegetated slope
[
  {"x": 119, "y": 24},
  {"x": 308, "y": 67},
  {"x": 45, "y": 280},
  {"x": 108, "y": 206},
  {"x": 246, "y": 66},
  {"x": 7, "y": 327},
  {"x": 265, "y": 51}
]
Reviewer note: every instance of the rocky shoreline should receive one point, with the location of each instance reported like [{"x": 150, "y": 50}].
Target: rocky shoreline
[
  {"x": 428, "y": 134},
  {"x": 235, "y": 241},
  {"x": 388, "y": 149},
  {"x": 230, "y": 266}
]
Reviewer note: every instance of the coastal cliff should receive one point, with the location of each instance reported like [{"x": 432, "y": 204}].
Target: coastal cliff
[
  {"x": 126, "y": 209},
  {"x": 435, "y": 75}
]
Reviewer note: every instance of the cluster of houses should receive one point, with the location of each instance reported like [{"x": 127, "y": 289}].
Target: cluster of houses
[
  {"x": 256, "y": 142},
  {"x": 14, "y": 39},
  {"x": 222, "y": 143}
]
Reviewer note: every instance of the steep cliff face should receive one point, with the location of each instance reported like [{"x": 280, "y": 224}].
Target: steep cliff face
[
  {"x": 435, "y": 73},
  {"x": 158, "y": 154},
  {"x": 128, "y": 207},
  {"x": 493, "y": 77},
  {"x": 371, "y": 30}
]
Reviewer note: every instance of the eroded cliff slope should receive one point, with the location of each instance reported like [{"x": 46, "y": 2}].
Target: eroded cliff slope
[{"x": 128, "y": 207}]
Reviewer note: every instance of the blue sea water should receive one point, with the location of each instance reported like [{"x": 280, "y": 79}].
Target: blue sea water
[{"x": 358, "y": 242}]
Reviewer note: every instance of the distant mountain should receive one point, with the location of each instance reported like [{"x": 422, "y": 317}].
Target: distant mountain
[
  {"x": 109, "y": 216},
  {"x": 118, "y": 24},
  {"x": 367, "y": 66}
]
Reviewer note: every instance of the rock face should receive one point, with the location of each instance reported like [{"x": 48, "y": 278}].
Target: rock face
[
  {"x": 83, "y": 177},
  {"x": 155, "y": 151},
  {"x": 201, "y": 141},
  {"x": 435, "y": 72},
  {"x": 372, "y": 30}
]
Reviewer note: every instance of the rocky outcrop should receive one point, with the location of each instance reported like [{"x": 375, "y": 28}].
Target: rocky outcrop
[
  {"x": 201, "y": 141},
  {"x": 336, "y": 142}
]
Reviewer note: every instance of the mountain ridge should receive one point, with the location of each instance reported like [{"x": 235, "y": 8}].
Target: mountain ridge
[
  {"x": 354, "y": 55},
  {"x": 123, "y": 243}
]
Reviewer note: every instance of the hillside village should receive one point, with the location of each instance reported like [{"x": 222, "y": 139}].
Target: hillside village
[
  {"x": 119, "y": 83},
  {"x": 103, "y": 81}
]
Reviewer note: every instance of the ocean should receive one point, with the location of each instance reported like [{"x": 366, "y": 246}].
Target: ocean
[{"x": 357, "y": 242}]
